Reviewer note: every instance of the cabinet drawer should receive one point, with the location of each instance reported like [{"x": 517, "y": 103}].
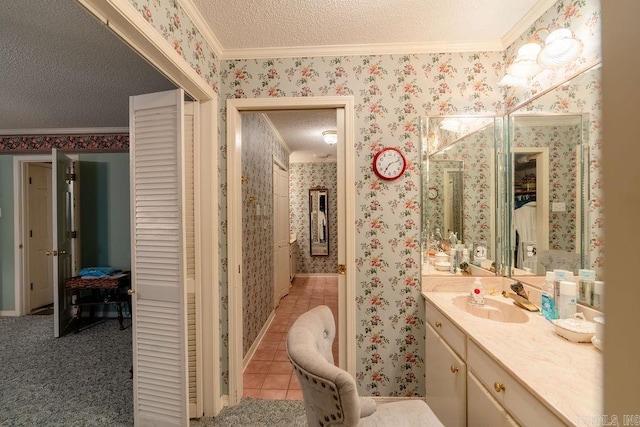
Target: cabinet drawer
[
  {"x": 483, "y": 409},
  {"x": 453, "y": 336},
  {"x": 517, "y": 400}
]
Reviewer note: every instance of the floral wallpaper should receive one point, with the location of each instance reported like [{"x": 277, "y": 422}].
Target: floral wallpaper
[
  {"x": 391, "y": 92},
  {"x": 302, "y": 177},
  {"x": 27, "y": 144},
  {"x": 171, "y": 21},
  {"x": 259, "y": 147}
]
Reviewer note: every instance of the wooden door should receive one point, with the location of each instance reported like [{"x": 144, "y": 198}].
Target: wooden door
[
  {"x": 62, "y": 224},
  {"x": 160, "y": 384},
  {"x": 39, "y": 223}
]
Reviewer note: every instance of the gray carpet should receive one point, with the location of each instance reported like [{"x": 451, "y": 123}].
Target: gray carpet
[
  {"x": 76, "y": 380},
  {"x": 83, "y": 380},
  {"x": 258, "y": 413}
]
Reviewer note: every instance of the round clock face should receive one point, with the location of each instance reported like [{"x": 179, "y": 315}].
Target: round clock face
[
  {"x": 433, "y": 193},
  {"x": 389, "y": 163}
]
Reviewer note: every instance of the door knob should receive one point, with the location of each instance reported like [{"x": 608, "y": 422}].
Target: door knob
[
  {"x": 47, "y": 253},
  {"x": 62, "y": 252},
  {"x": 131, "y": 291},
  {"x": 342, "y": 269}
]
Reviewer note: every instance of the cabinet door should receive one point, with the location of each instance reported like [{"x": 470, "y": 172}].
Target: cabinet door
[
  {"x": 482, "y": 409},
  {"x": 445, "y": 381}
]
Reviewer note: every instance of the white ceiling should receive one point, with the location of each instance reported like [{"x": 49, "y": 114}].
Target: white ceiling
[{"x": 63, "y": 69}]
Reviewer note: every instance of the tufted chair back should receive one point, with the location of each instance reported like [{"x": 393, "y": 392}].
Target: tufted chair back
[{"x": 330, "y": 394}]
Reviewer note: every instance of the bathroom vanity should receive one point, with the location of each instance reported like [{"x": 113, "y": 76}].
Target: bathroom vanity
[{"x": 501, "y": 365}]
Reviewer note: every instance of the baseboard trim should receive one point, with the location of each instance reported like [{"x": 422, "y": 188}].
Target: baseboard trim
[
  {"x": 9, "y": 313},
  {"x": 316, "y": 275},
  {"x": 258, "y": 340}
]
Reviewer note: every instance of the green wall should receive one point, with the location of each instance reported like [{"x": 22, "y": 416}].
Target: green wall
[
  {"x": 7, "y": 294},
  {"x": 104, "y": 217},
  {"x": 105, "y": 237}
]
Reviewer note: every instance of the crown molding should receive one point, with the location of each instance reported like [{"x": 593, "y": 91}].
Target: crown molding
[
  {"x": 363, "y": 49},
  {"x": 279, "y": 137},
  {"x": 64, "y": 131},
  {"x": 528, "y": 20},
  {"x": 194, "y": 14}
]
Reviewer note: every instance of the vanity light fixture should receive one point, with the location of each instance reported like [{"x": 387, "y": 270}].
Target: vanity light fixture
[
  {"x": 330, "y": 137},
  {"x": 558, "y": 48}
]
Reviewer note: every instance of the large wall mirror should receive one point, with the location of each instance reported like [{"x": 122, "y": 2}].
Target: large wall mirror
[
  {"x": 319, "y": 221},
  {"x": 556, "y": 197},
  {"x": 531, "y": 184},
  {"x": 459, "y": 191}
]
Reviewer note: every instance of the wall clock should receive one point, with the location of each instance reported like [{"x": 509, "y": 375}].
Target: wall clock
[
  {"x": 432, "y": 192},
  {"x": 389, "y": 164}
]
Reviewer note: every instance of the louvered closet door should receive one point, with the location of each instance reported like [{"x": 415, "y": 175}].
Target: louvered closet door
[{"x": 159, "y": 306}]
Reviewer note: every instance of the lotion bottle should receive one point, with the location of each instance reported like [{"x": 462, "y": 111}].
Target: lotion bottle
[{"x": 548, "y": 297}]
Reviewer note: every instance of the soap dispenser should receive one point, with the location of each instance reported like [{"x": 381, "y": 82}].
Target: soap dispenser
[{"x": 477, "y": 293}]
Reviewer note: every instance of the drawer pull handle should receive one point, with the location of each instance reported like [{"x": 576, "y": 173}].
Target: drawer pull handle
[
  {"x": 498, "y": 386},
  {"x": 438, "y": 324},
  {"x": 454, "y": 369}
]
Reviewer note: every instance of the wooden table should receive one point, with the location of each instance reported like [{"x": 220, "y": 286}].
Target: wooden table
[{"x": 90, "y": 291}]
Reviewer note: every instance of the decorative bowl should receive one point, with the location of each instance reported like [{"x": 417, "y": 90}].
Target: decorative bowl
[{"x": 574, "y": 330}]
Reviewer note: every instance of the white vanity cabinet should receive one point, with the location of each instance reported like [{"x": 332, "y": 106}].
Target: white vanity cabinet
[
  {"x": 446, "y": 392},
  {"x": 445, "y": 381},
  {"x": 482, "y": 409},
  {"x": 467, "y": 386},
  {"x": 508, "y": 391}
]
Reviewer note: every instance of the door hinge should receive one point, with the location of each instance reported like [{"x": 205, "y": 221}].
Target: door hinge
[
  {"x": 31, "y": 286},
  {"x": 71, "y": 177},
  {"x": 73, "y": 234},
  {"x": 29, "y": 180},
  {"x": 30, "y": 233}
]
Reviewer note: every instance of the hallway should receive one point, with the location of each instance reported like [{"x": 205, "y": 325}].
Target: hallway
[{"x": 269, "y": 374}]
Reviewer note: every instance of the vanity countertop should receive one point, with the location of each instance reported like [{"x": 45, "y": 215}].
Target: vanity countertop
[{"x": 565, "y": 376}]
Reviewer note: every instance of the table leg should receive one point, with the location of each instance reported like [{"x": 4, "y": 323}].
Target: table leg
[{"x": 120, "y": 318}]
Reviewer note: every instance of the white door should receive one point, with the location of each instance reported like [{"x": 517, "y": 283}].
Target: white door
[
  {"x": 39, "y": 240},
  {"x": 160, "y": 383},
  {"x": 280, "y": 233},
  {"x": 62, "y": 224}
]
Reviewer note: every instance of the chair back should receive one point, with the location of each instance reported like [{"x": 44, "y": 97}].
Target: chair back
[{"x": 330, "y": 393}]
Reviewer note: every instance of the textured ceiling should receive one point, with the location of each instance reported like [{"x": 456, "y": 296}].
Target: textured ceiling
[
  {"x": 380, "y": 26},
  {"x": 61, "y": 68}
]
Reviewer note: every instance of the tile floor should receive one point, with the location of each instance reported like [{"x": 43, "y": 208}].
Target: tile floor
[{"x": 269, "y": 374}]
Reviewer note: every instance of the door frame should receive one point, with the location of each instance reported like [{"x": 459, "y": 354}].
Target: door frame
[
  {"x": 346, "y": 295},
  {"x": 121, "y": 17},
  {"x": 20, "y": 231}
]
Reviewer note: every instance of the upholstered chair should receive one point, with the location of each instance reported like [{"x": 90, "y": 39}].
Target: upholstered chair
[{"x": 330, "y": 393}]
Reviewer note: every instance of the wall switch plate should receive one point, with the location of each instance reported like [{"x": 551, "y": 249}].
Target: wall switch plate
[{"x": 558, "y": 206}]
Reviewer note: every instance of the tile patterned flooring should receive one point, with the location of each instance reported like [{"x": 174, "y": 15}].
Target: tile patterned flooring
[{"x": 269, "y": 374}]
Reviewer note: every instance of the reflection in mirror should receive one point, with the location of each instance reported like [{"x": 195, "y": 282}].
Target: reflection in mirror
[
  {"x": 458, "y": 194},
  {"x": 319, "y": 221},
  {"x": 555, "y": 142}
]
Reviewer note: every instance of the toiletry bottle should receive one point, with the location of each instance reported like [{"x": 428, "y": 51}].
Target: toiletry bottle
[
  {"x": 452, "y": 261},
  {"x": 586, "y": 281},
  {"x": 559, "y": 276},
  {"x": 477, "y": 292},
  {"x": 566, "y": 303},
  {"x": 548, "y": 295},
  {"x": 598, "y": 294}
]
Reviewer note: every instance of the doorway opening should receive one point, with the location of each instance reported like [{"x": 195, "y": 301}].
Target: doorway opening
[{"x": 346, "y": 233}]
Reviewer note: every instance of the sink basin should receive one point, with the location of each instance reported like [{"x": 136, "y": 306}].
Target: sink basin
[{"x": 492, "y": 310}]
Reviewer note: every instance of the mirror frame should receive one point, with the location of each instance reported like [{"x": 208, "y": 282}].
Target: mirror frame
[{"x": 318, "y": 247}]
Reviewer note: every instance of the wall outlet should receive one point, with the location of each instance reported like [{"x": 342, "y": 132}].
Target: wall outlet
[{"x": 558, "y": 206}]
